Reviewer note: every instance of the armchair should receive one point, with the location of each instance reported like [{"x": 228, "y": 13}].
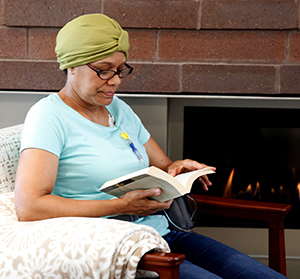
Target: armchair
[
  {"x": 73, "y": 247},
  {"x": 100, "y": 248}
]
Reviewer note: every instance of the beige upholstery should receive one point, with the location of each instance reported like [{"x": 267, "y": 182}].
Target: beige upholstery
[
  {"x": 9, "y": 155},
  {"x": 65, "y": 247}
]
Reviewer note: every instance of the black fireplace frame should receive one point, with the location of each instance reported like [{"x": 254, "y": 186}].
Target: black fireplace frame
[{"x": 176, "y": 130}]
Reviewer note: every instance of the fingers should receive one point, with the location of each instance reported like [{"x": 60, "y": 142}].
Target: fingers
[
  {"x": 189, "y": 165},
  {"x": 151, "y": 192},
  {"x": 182, "y": 166},
  {"x": 186, "y": 165},
  {"x": 205, "y": 182},
  {"x": 137, "y": 202},
  {"x": 143, "y": 194},
  {"x": 156, "y": 192}
]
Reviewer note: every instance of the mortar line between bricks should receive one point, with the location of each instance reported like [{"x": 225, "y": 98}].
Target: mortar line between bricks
[
  {"x": 27, "y": 42},
  {"x": 209, "y": 63},
  {"x": 198, "y": 23},
  {"x": 277, "y": 79},
  {"x": 156, "y": 45},
  {"x": 180, "y": 78},
  {"x": 102, "y": 6},
  {"x": 27, "y": 60},
  {"x": 287, "y": 47}
]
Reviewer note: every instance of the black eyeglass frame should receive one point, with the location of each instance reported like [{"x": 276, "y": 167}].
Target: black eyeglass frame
[{"x": 128, "y": 67}]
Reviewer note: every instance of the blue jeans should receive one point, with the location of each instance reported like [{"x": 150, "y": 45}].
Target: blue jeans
[{"x": 208, "y": 258}]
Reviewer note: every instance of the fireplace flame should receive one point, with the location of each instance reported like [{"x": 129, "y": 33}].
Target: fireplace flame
[
  {"x": 257, "y": 191},
  {"x": 228, "y": 188},
  {"x": 298, "y": 191},
  {"x": 249, "y": 193},
  {"x": 253, "y": 195},
  {"x": 272, "y": 191},
  {"x": 281, "y": 190},
  {"x": 249, "y": 190},
  {"x": 284, "y": 195}
]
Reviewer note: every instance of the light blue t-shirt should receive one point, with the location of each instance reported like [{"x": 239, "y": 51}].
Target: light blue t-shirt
[{"x": 89, "y": 154}]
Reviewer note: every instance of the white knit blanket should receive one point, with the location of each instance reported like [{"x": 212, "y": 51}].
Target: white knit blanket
[{"x": 71, "y": 247}]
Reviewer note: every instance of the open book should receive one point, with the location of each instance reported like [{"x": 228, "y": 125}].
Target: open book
[{"x": 153, "y": 177}]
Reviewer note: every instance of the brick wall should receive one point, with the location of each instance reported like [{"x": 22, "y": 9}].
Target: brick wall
[{"x": 179, "y": 46}]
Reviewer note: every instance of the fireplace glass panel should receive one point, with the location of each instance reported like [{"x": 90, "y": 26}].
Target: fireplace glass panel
[{"x": 256, "y": 152}]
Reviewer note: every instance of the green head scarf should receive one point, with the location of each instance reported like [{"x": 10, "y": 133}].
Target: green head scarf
[{"x": 89, "y": 38}]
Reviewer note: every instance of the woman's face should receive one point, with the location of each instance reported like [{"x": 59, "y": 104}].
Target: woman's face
[{"x": 88, "y": 89}]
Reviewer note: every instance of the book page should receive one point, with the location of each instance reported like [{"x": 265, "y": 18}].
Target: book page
[{"x": 184, "y": 178}]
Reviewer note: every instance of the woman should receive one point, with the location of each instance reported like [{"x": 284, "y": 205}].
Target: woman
[{"x": 71, "y": 145}]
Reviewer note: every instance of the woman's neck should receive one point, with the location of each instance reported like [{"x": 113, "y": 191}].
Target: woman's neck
[{"x": 96, "y": 114}]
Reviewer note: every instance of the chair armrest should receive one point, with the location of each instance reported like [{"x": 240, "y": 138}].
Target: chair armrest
[
  {"x": 162, "y": 258},
  {"x": 264, "y": 211},
  {"x": 165, "y": 264}
]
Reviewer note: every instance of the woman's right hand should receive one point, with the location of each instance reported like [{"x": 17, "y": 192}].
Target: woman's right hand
[{"x": 137, "y": 202}]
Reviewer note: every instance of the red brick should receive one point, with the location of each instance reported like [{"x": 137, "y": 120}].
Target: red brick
[
  {"x": 154, "y": 14},
  {"x": 24, "y": 75},
  {"x": 13, "y": 42},
  {"x": 294, "y": 47},
  {"x": 298, "y": 14},
  {"x": 289, "y": 79},
  {"x": 42, "y": 43},
  {"x": 231, "y": 79},
  {"x": 1, "y": 12},
  {"x": 221, "y": 45},
  {"x": 249, "y": 14},
  {"x": 155, "y": 78},
  {"x": 55, "y": 13},
  {"x": 142, "y": 44}
]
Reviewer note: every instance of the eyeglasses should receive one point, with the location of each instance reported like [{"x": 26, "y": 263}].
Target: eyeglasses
[{"x": 109, "y": 74}]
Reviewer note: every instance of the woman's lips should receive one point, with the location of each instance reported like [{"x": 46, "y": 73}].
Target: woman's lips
[{"x": 109, "y": 94}]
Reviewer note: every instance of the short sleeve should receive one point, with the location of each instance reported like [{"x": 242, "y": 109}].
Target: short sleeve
[{"x": 43, "y": 128}]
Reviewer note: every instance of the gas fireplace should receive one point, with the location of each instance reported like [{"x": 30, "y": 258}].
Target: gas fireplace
[{"x": 256, "y": 152}]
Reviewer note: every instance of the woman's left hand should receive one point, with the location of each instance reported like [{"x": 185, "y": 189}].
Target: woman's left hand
[
  {"x": 159, "y": 159},
  {"x": 187, "y": 165}
]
